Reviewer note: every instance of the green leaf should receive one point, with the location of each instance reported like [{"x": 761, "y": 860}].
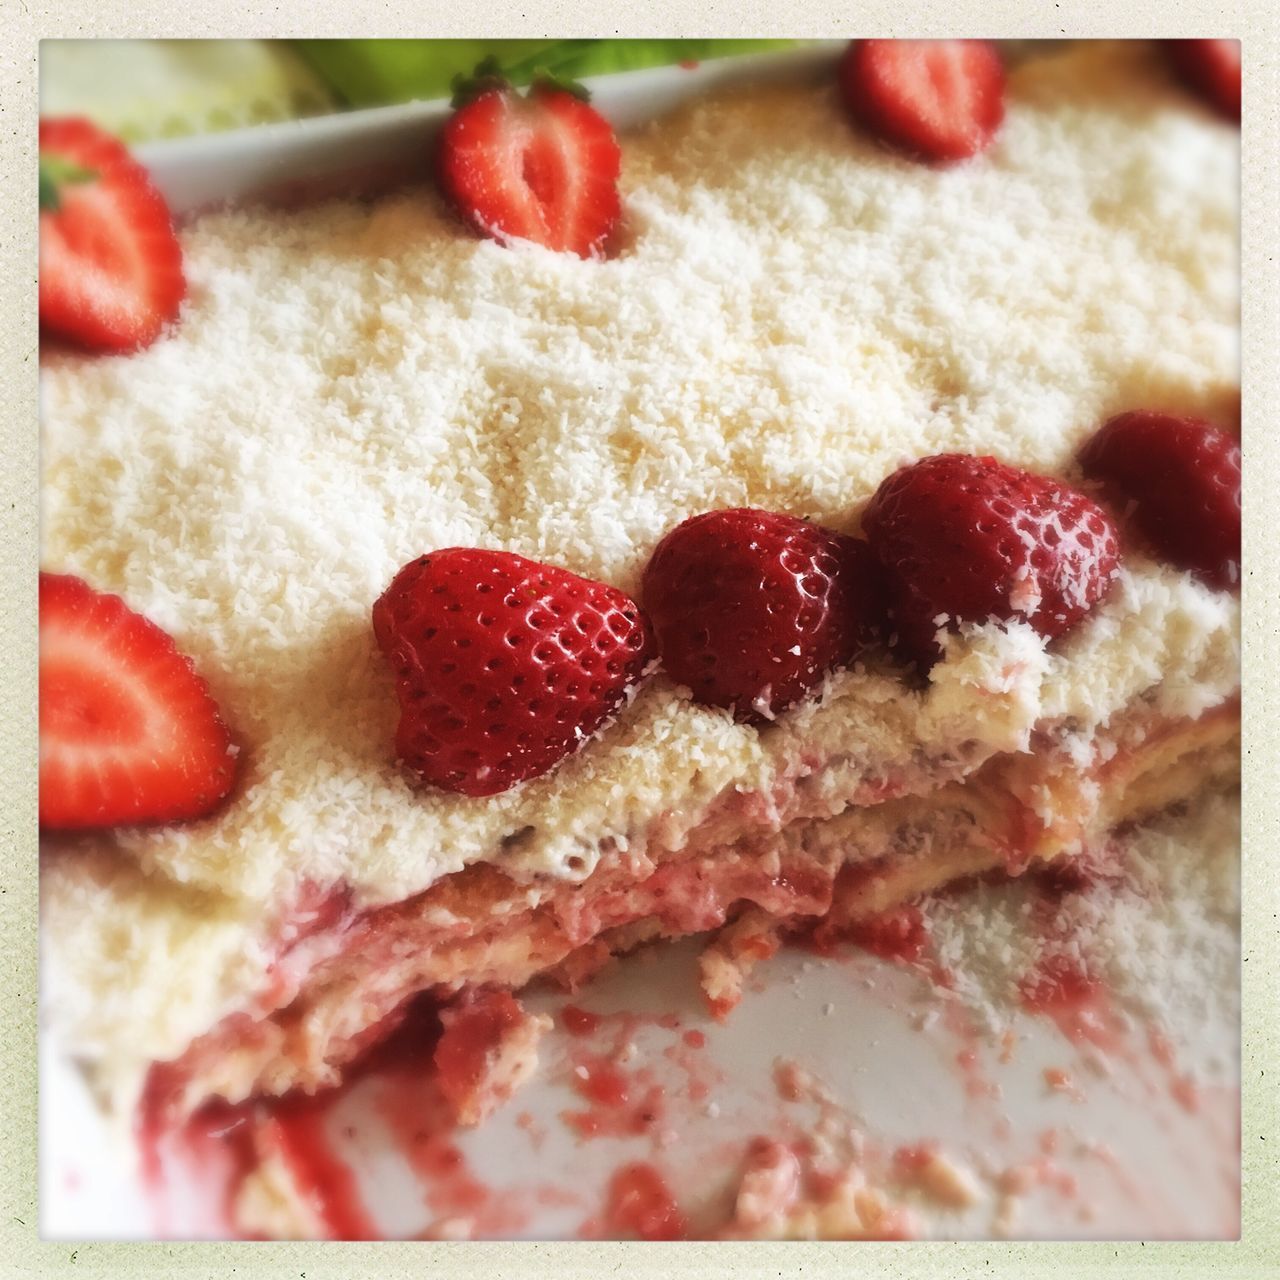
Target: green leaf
[
  {"x": 57, "y": 172},
  {"x": 371, "y": 73},
  {"x": 555, "y": 80},
  {"x": 487, "y": 75}
]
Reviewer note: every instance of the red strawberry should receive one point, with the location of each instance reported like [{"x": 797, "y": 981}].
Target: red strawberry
[
  {"x": 110, "y": 264},
  {"x": 939, "y": 100},
  {"x": 543, "y": 167},
  {"x": 1178, "y": 482},
  {"x": 965, "y": 539},
  {"x": 503, "y": 666},
  {"x": 128, "y": 731},
  {"x": 752, "y": 609},
  {"x": 1212, "y": 69}
]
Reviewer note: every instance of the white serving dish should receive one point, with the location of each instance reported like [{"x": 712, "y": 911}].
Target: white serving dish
[{"x": 301, "y": 159}]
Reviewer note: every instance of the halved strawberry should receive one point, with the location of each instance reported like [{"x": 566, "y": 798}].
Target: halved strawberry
[
  {"x": 128, "y": 731},
  {"x": 110, "y": 264},
  {"x": 543, "y": 167},
  {"x": 1212, "y": 69},
  {"x": 939, "y": 100}
]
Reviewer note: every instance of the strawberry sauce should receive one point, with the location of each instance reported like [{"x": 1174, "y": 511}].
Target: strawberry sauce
[
  {"x": 578, "y": 1022},
  {"x": 639, "y": 1203},
  {"x": 620, "y": 1103},
  {"x": 324, "y": 1179},
  {"x": 216, "y": 1150},
  {"x": 1077, "y": 1003},
  {"x": 900, "y": 935}
]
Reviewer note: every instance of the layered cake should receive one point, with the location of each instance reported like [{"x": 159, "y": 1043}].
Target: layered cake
[{"x": 786, "y": 314}]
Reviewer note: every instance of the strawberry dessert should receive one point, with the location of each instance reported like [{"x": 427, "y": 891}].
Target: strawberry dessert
[{"x": 742, "y": 527}]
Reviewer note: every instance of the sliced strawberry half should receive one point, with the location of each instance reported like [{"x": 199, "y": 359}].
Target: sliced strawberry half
[
  {"x": 128, "y": 731},
  {"x": 1212, "y": 69},
  {"x": 939, "y": 100},
  {"x": 110, "y": 263},
  {"x": 542, "y": 167}
]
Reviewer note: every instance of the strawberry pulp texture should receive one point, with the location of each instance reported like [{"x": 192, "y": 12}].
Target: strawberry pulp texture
[
  {"x": 752, "y": 609},
  {"x": 936, "y": 100},
  {"x": 110, "y": 266},
  {"x": 542, "y": 168},
  {"x": 968, "y": 539},
  {"x": 503, "y": 666},
  {"x": 128, "y": 731},
  {"x": 1177, "y": 483}
]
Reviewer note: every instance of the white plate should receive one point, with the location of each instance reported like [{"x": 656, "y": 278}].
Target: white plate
[
  {"x": 369, "y": 149},
  {"x": 1110, "y": 1153}
]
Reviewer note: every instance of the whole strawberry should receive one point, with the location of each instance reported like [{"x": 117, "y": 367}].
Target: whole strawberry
[
  {"x": 503, "y": 666},
  {"x": 751, "y": 609},
  {"x": 543, "y": 167},
  {"x": 1177, "y": 481},
  {"x": 968, "y": 539},
  {"x": 1211, "y": 68},
  {"x": 937, "y": 100},
  {"x": 128, "y": 731}
]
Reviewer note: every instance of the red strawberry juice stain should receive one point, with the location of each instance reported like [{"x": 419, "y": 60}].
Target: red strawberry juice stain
[
  {"x": 625, "y": 1100},
  {"x": 230, "y": 1142},
  {"x": 210, "y": 1152},
  {"x": 639, "y": 1204},
  {"x": 299, "y": 1131},
  {"x": 967, "y": 1058},
  {"x": 912, "y": 1160},
  {"x": 1041, "y": 1171},
  {"x": 621, "y": 1103},
  {"x": 213, "y": 1151},
  {"x": 1060, "y": 1081},
  {"x": 426, "y": 1140},
  {"x": 1181, "y": 1086},
  {"x": 1062, "y": 991},
  {"x": 579, "y": 1022},
  {"x": 899, "y": 935},
  {"x": 420, "y": 1120}
]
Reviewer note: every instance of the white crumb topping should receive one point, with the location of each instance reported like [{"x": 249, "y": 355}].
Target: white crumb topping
[
  {"x": 1159, "y": 929},
  {"x": 794, "y": 313}
]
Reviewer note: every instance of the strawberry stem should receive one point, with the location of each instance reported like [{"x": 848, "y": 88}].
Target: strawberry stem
[
  {"x": 57, "y": 172},
  {"x": 487, "y": 76},
  {"x": 551, "y": 80}
]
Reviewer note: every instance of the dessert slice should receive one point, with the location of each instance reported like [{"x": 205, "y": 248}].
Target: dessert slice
[{"x": 832, "y": 838}]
